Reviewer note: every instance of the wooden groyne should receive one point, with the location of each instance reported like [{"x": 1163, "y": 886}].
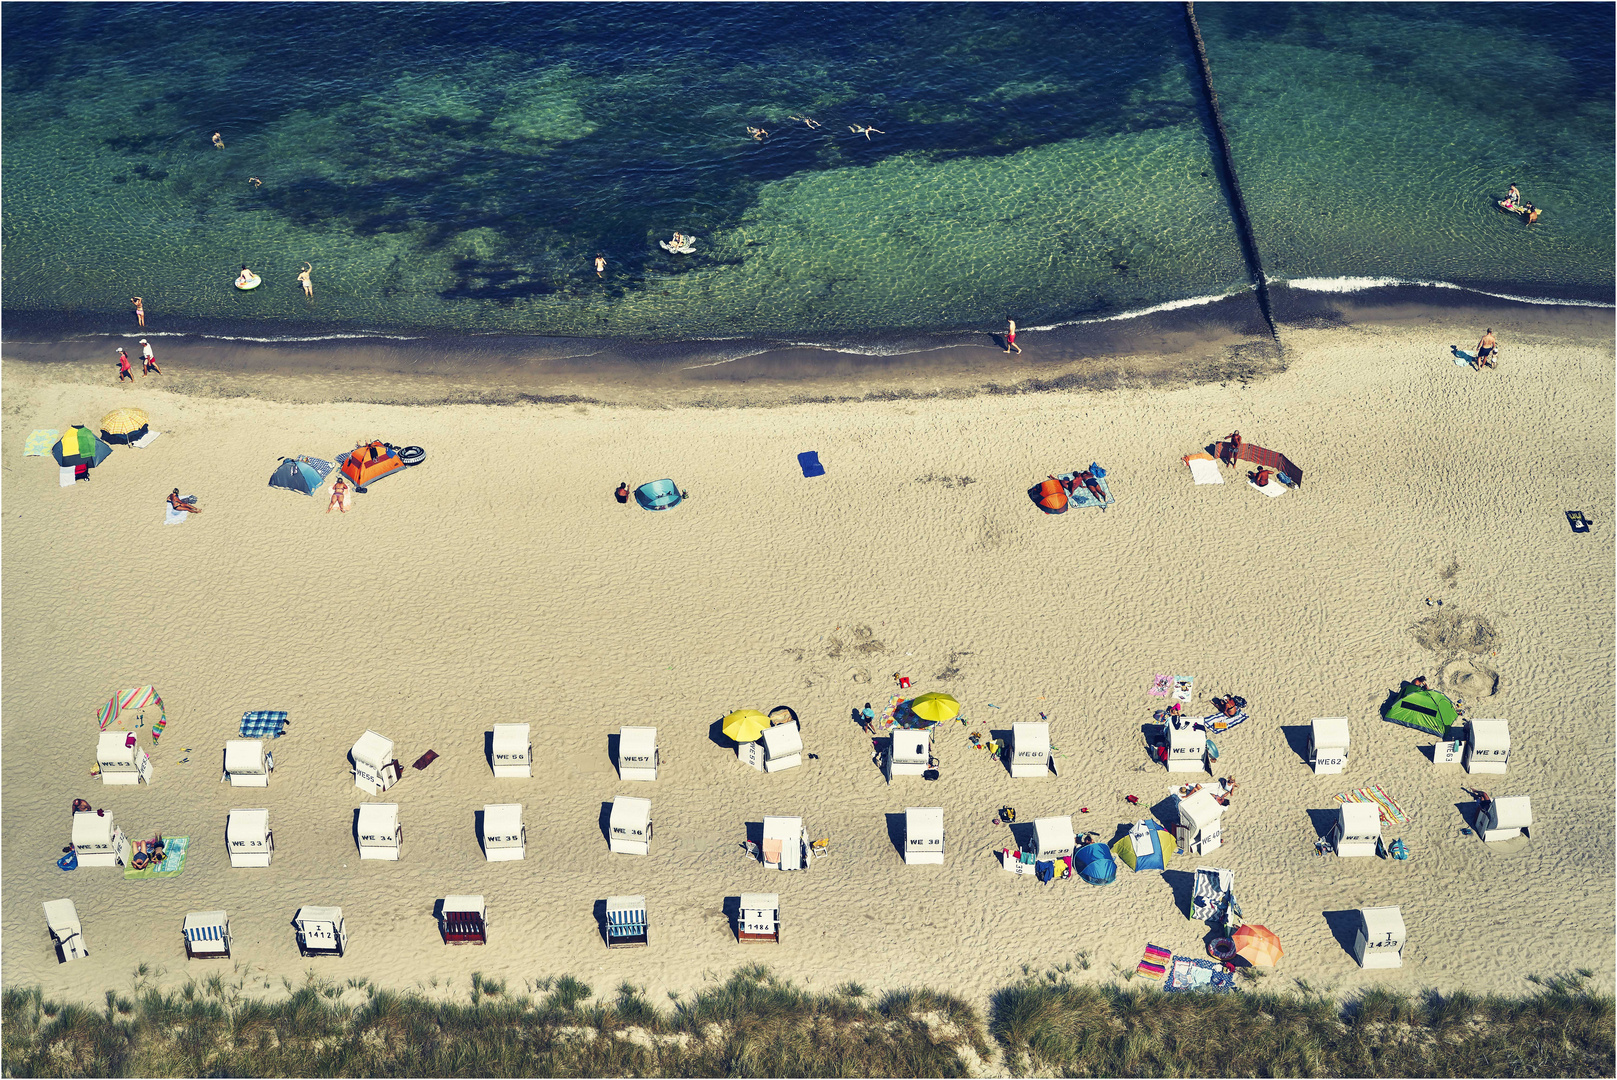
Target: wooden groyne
[{"x": 1232, "y": 182}]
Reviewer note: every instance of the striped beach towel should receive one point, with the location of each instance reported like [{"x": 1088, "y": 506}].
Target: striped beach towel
[
  {"x": 891, "y": 712},
  {"x": 256, "y": 725},
  {"x": 1154, "y": 964},
  {"x": 1219, "y": 722},
  {"x": 1391, "y": 812}
]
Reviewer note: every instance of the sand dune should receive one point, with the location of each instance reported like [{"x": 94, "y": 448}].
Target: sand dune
[{"x": 501, "y": 582}]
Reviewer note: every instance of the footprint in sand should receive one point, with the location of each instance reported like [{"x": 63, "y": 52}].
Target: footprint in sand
[{"x": 1470, "y": 679}]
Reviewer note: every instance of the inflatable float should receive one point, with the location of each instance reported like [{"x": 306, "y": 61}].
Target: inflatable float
[
  {"x": 246, "y": 281},
  {"x": 687, "y": 245}
]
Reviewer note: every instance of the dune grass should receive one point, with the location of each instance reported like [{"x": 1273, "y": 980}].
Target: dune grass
[
  {"x": 1051, "y": 1026},
  {"x": 754, "y": 1024}
]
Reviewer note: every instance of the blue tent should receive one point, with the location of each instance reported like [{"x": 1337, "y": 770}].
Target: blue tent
[
  {"x": 658, "y": 495},
  {"x": 1096, "y": 865},
  {"x": 296, "y": 475}
]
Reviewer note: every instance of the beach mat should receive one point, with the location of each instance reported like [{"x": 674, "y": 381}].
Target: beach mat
[
  {"x": 809, "y": 461},
  {"x": 173, "y": 863},
  {"x": 426, "y": 759},
  {"x": 1160, "y": 685},
  {"x": 1391, "y": 812},
  {"x": 1579, "y": 523},
  {"x": 1194, "y": 973},
  {"x": 1080, "y": 495},
  {"x": 146, "y": 440},
  {"x": 1462, "y": 358},
  {"x": 64, "y": 476},
  {"x": 1219, "y": 722},
  {"x": 172, "y": 516},
  {"x": 1274, "y": 488},
  {"x": 40, "y": 442},
  {"x": 1183, "y": 687},
  {"x": 1203, "y": 469},
  {"x": 256, "y": 725},
  {"x": 1154, "y": 964}
]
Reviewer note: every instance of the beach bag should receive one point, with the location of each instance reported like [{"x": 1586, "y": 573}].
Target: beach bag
[
  {"x": 1044, "y": 871},
  {"x": 70, "y": 861}
]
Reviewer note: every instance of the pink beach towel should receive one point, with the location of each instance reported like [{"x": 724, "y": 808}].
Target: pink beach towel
[{"x": 1160, "y": 685}]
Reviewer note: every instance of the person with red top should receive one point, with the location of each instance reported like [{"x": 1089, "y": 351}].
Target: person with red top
[{"x": 123, "y": 367}]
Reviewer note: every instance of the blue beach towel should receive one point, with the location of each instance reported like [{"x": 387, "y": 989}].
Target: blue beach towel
[
  {"x": 256, "y": 725},
  {"x": 810, "y": 461},
  {"x": 1194, "y": 973},
  {"x": 1080, "y": 495}
]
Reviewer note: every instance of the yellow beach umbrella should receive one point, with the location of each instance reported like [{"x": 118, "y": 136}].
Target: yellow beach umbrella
[
  {"x": 1258, "y": 946},
  {"x": 746, "y": 725},
  {"x": 123, "y": 421},
  {"x": 935, "y": 708}
]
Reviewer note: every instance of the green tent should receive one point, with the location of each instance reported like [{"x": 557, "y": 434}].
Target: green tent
[{"x": 1423, "y": 710}]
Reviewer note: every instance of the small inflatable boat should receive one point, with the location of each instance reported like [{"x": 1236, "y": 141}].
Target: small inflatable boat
[
  {"x": 249, "y": 282},
  {"x": 1519, "y": 208}
]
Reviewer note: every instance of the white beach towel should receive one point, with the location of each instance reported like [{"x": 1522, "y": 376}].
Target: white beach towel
[
  {"x": 146, "y": 440},
  {"x": 172, "y": 516},
  {"x": 64, "y": 475},
  {"x": 1203, "y": 469},
  {"x": 1274, "y": 489}
]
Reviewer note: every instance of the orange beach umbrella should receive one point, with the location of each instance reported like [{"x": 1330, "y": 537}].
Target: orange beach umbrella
[{"x": 1258, "y": 946}]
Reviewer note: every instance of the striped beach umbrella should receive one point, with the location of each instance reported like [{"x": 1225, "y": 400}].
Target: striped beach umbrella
[
  {"x": 124, "y": 425},
  {"x": 1258, "y": 946}
]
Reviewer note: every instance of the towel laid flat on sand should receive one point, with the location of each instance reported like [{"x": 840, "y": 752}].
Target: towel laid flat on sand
[
  {"x": 1182, "y": 686},
  {"x": 1080, "y": 494},
  {"x": 1219, "y": 722},
  {"x": 1154, "y": 964},
  {"x": 256, "y": 725},
  {"x": 146, "y": 440},
  {"x": 810, "y": 462},
  {"x": 173, "y": 860},
  {"x": 1203, "y": 469},
  {"x": 64, "y": 476},
  {"x": 40, "y": 442},
  {"x": 1274, "y": 488},
  {"x": 1160, "y": 685},
  {"x": 426, "y": 759},
  {"x": 1194, "y": 973},
  {"x": 1391, "y": 812},
  {"x": 172, "y": 516}
]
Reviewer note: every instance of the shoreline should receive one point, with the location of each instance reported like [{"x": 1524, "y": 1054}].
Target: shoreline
[{"x": 1222, "y": 340}]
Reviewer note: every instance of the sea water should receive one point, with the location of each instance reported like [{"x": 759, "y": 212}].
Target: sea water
[{"x": 457, "y": 168}]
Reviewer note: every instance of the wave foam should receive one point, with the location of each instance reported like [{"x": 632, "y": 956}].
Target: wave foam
[{"x": 1360, "y": 284}]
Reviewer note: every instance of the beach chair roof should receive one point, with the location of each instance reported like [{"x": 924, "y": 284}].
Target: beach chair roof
[
  {"x": 1030, "y": 735},
  {"x": 464, "y": 905},
  {"x": 630, "y": 812},
  {"x": 637, "y": 741},
  {"x": 503, "y": 819},
  {"x": 1184, "y": 734},
  {"x": 1054, "y": 833},
  {"x": 783, "y": 740},
  {"x": 511, "y": 738},
  {"x": 912, "y": 744},
  {"x": 1423, "y": 710},
  {"x": 246, "y": 824},
  {"x": 1379, "y": 921},
  {"x": 1359, "y": 819},
  {"x": 90, "y": 827},
  {"x": 62, "y": 917},
  {"x": 783, "y": 828},
  {"x": 626, "y": 905},
  {"x": 200, "y": 920},
  {"x": 760, "y": 901},
  {"x": 1199, "y": 810},
  {"x": 1512, "y": 812},
  {"x": 244, "y": 755},
  {"x": 925, "y": 820},
  {"x": 1331, "y": 731},
  {"x": 114, "y": 746},
  {"x": 312, "y": 914},
  {"x": 373, "y": 749},
  {"x": 379, "y": 817},
  {"x": 1489, "y": 734}
]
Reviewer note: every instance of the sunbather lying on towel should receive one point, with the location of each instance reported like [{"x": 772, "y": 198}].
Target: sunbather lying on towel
[{"x": 1087, "y": 478}]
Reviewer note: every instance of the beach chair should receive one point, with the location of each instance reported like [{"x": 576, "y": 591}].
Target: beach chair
[
  {"x": 66, "y": 935},
  {"x": 207, "y": 935}
]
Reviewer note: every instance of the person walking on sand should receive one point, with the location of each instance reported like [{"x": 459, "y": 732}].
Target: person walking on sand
[
  {"x": 303, "y": 279},
  {"x": 339, "y": 496},
  {"x": 140, "y": 310},
  {"x": 1010, "y": 338},
  {"x": 148, "y": 363},
  {"x": 123, "y": 367},
  {"x": 218, "y": 140},
  {"x": 600, "y": 266},
  {"x": 1486, "y": 348}
]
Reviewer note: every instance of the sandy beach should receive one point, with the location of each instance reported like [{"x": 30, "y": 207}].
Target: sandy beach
[{"x": 500, "y": 582}]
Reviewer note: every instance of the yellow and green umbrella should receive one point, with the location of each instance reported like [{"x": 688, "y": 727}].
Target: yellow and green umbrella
[
  {"x": 746, "y": 725},
  {"x": 935, "y": 708}
]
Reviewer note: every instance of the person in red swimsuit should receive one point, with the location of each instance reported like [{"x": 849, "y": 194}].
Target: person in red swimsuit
[
  {"x": 123, "y": 367},
  {"x": 1010, "y": 338}
]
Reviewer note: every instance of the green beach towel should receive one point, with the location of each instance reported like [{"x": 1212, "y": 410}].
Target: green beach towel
[{"x": 173, "y": 863}]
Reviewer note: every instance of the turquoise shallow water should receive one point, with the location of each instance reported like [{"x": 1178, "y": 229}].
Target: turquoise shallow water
[{"x": 458, "y": 167}]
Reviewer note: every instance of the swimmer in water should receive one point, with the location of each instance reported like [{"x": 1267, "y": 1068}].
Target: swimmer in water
[
  {"x": 245, "y": 277},
  {"x": 600, "y": 266},
  {"x": 218, "y": 140},
  {"x": 303, "y": 279},
  {"x": 140, "y": 309},
  {"x": 255, "y": 181},
  {"x": 809, "y": 120},
  {"x": 865, "y": 130},
  {"x": 758, "y": 133}
]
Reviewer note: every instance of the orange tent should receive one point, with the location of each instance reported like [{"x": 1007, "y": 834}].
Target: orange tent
[
  {"x": 1052, "y": 497},
  {"x": 370, "y": 462}
]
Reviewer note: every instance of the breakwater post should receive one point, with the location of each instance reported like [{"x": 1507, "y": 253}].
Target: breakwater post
[{"x": 1232, "y": 183}]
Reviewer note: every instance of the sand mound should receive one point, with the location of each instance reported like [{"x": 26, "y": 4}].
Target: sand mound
[
  {"x": 1470, "y": 679},
  {"x": 1456, "y": 632}
]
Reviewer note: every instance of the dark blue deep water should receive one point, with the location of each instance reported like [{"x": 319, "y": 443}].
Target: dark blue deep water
[{"x": 457, "y": 167}]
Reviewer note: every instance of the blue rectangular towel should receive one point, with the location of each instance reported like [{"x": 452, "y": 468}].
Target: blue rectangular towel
[
  {"x": 256, "y": 725},
  {"x": 810, "y": 461}
]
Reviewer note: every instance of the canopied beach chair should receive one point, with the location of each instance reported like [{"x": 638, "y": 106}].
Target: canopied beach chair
[
  {"x": 505, "y": 837},
  {"x": 1201, "y": 825},
  {"x": 759, "y": 921},
  {"x": 783, "y": 746},
  {"x": 62, "y": 918},
  {"x": 248, "y": 838},
  {"x": 97, "y": 841},
  {"x": 1487, "y": 746},
  {"x": 923, "y": 835},
  {"x": 463, "y": 920},
  {"x": 1379, "y": 941},
  {"x": 1328, "y": 745},
  {"x": 626, "y": 923},
  {"x": 785, "y": 844},
  {"x": 1212, "y": 899},
  {"x": 1030, "y": 748},
  {"x": 247, "y": 763},
  {"x": 375, "y": 770},
  {"x": 379, "y": 833},
  {"x": 1505, "y": 818},
  {"x": 629, "y": 826},
  {"x": 320, "y": 931},
  {"x": 638, "y": 756},
  {"x": 909, "y": 750},
  {"x": 122, "y": 759},
  {"x": 1187, "y": 747},
  {"x": 512, "y": 750},
  {"x": 1357, "y": 830},
  {"x": 207, "y": 935}
]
